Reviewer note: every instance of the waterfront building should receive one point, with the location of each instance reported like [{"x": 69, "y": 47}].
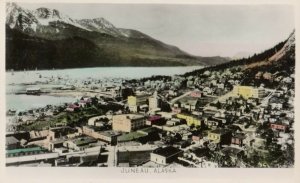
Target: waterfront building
[{"x": 33, "y": 91}]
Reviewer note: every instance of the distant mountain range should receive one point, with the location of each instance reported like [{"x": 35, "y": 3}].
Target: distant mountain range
[{"x": 45, "y": 39}]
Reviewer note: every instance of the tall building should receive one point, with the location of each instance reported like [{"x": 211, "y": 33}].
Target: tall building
[
  {"x": 135, "y": 101},
  {"x": 128, "y": 122},
  {"x": 153, "y": 101}
]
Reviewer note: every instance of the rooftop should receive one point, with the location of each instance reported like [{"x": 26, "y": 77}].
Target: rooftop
[
  {"x": 231, "y": 150},
  {"x": 110, "y": 133},
  {"x": 240, "y": 136},
  {"x": 24, "y": 150},
  {"x": 149, "y": 129},
  {"x": 84, "y": 141},
  {"x": 220, "y": 131},
  {"x": 130, "y": 136},
  {"x": 155, "y": 117},
  {"x": 167, "y": 151},
  {"x": 11, "y": 140},
  {"x": 129, "y": 116}
]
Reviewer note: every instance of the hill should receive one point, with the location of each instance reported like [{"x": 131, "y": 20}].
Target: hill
[{"x": 267, "y": 68}]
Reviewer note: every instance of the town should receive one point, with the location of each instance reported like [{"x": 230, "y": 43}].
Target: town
[{"x": 209, "y": 120}]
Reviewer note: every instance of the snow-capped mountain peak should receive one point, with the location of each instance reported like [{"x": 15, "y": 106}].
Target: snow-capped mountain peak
[
  {"x": 35, "y": 21},
  {"x": 17, "y": 17},
  {"x": 27, "y": 20},
  {"x": 104, "y": 22},
  {"x": 46, "y": 15}
]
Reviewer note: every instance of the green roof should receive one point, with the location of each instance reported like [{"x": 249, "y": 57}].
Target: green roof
[
  {"x": 149, "y": 129},
  {"x": 24, "y": 150},
  {"x": 84, "y": 141},
  {"x": 130, "y": 136}
]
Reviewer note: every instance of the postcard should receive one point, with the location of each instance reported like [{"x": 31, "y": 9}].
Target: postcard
[{"x": 149, "y": 90}]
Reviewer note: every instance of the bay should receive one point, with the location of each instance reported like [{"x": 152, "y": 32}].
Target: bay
[{"x": 20, "y": 80}]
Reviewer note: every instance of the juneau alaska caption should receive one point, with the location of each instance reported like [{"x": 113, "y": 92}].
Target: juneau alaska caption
[{"x": 142, "y": 86}]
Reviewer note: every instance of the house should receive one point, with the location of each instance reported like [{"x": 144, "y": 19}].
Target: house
[
  {"x": 238, "y": 139},
  {"x": 176, "y": 110},
  {"x": 220, "y": 85},
  {"x": 211, "y": 123},
  {"x": 220, "y": 136},
  {"x": 278, "y": 126},
  {"x": 72, "y": 108},
  {"x": 207, "y": 91},
  {"x": 165, "y": 155},
  {"x": 83, "y": 103},
  {"x": 196, "y": 94},
  {"x": 197, "y": 137},
  {"x": 214, "y": 122},
  {"x": 276, "y": 103},
  {"x": 189, "y": 103}
]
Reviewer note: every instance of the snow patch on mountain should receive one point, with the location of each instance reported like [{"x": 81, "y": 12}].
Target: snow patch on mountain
[
  {"x": 100, "y": 25},
  {"x": 46, "y": 15}
]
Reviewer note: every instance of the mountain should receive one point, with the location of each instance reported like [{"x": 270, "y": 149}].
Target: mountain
[
  {"x": 241, "y": 54},
  {"x": 46, "y": 38},
  {"x": 277, "y": 62}
]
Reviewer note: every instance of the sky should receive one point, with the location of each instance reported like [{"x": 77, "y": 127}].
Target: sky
[{"x": 203, "y": 30}]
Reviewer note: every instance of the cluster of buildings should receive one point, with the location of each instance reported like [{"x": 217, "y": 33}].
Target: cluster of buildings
[{"x": 209, "y": 120}]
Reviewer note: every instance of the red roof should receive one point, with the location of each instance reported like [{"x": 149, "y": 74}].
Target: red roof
[{"x": 154, "y": 118}]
